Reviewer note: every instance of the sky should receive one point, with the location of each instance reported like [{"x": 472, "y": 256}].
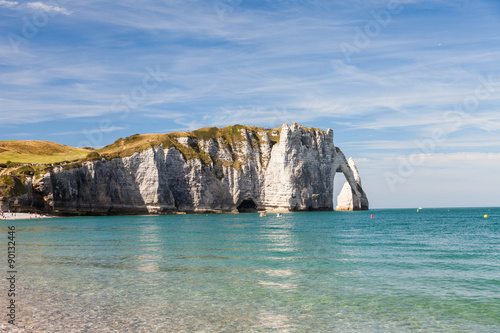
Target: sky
[{"x": 411, "y": 88}]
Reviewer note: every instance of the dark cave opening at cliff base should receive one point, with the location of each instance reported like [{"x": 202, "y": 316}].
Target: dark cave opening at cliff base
[{"x": 247, "y": 206}]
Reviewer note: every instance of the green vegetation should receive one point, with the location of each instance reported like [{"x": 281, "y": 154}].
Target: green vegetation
[
  {"x": 26, "y": 170},
  {"x": 38, "y": 152},
  {"x": 227, "y": 136},
  {"x": 11, "y": 186},
  {"x": 93, "y": 156}
]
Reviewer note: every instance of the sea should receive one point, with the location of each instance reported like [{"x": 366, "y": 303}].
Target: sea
[{"x": 383, "y": 270}]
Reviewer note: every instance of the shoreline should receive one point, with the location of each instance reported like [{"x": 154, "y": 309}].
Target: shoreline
[
  {"x": 36, "y": 216},
  {"x": 24, "y": 216}
]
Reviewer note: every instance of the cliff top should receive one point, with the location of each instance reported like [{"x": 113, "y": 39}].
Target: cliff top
[
  {"x": 227, "y": 135},
  {"x": 15, "y": 156},
  {"x": 41, "y": 152}
]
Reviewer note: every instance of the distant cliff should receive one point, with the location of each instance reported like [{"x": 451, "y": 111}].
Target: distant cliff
[{"x": 237, "y": 168}]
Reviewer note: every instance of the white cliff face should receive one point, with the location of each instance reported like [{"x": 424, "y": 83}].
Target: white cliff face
[
  {"x": 134, "y": 184},
  {"x": 250, "y": 172},
  {"x": 352, "y": 198},
  {"x": 300, "y": 172}
]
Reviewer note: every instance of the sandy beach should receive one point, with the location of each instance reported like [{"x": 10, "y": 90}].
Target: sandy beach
[{"x": 23, "y": 216}]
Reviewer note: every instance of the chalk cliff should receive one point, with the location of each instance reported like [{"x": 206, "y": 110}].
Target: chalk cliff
[
  {"x": 352, "y": 197},
  {"x": 288, "y": 168}
]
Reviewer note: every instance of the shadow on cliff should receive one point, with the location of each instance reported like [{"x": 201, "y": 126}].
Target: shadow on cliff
[{"x": 103, "y": 188}]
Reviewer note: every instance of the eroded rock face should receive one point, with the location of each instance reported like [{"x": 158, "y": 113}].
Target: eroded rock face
[
  {"x": 300, "y": 173},
  {"x": 352, "y": 197},
  {"x": 252, "y": 172}
]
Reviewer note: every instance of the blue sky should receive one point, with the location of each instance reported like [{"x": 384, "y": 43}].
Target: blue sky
[{"x": 411, "y": 88}]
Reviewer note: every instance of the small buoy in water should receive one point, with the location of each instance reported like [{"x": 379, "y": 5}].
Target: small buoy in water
[
  {"x": 418, "y": 210},
  {"x": 206, "y": 214},
  {"x": 371, "y": 216},
  {"x": 485, "y": 216}
]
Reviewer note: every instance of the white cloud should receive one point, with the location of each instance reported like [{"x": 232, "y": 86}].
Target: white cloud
[
  {"x": 47, "y": 8},
  {"x": 36, "y": 6},
  {"x": 8, "y": 4}
]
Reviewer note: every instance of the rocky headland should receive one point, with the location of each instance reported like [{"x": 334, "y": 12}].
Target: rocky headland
[{"x": 232, "y": 169}]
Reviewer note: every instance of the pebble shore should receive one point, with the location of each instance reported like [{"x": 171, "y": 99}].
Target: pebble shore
[{"x": 23, "y": 216}]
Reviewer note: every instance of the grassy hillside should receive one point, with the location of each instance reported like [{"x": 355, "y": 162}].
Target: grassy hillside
[{"x": 42, "y": 152}]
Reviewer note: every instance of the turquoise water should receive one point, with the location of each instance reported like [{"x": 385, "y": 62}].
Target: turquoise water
[{"x": 402, "y": 271}]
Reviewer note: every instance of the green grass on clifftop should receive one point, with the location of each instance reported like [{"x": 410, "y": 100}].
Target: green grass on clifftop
[
  {"x": 229, "y": 136},
  {"x": 40, "y": 152}
]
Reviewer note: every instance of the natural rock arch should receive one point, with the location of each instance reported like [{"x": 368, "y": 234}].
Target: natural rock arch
[{"x": 352, "y": 196}]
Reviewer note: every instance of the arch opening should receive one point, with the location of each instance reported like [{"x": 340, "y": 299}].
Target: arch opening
[{"x": 247, "y": 206}]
